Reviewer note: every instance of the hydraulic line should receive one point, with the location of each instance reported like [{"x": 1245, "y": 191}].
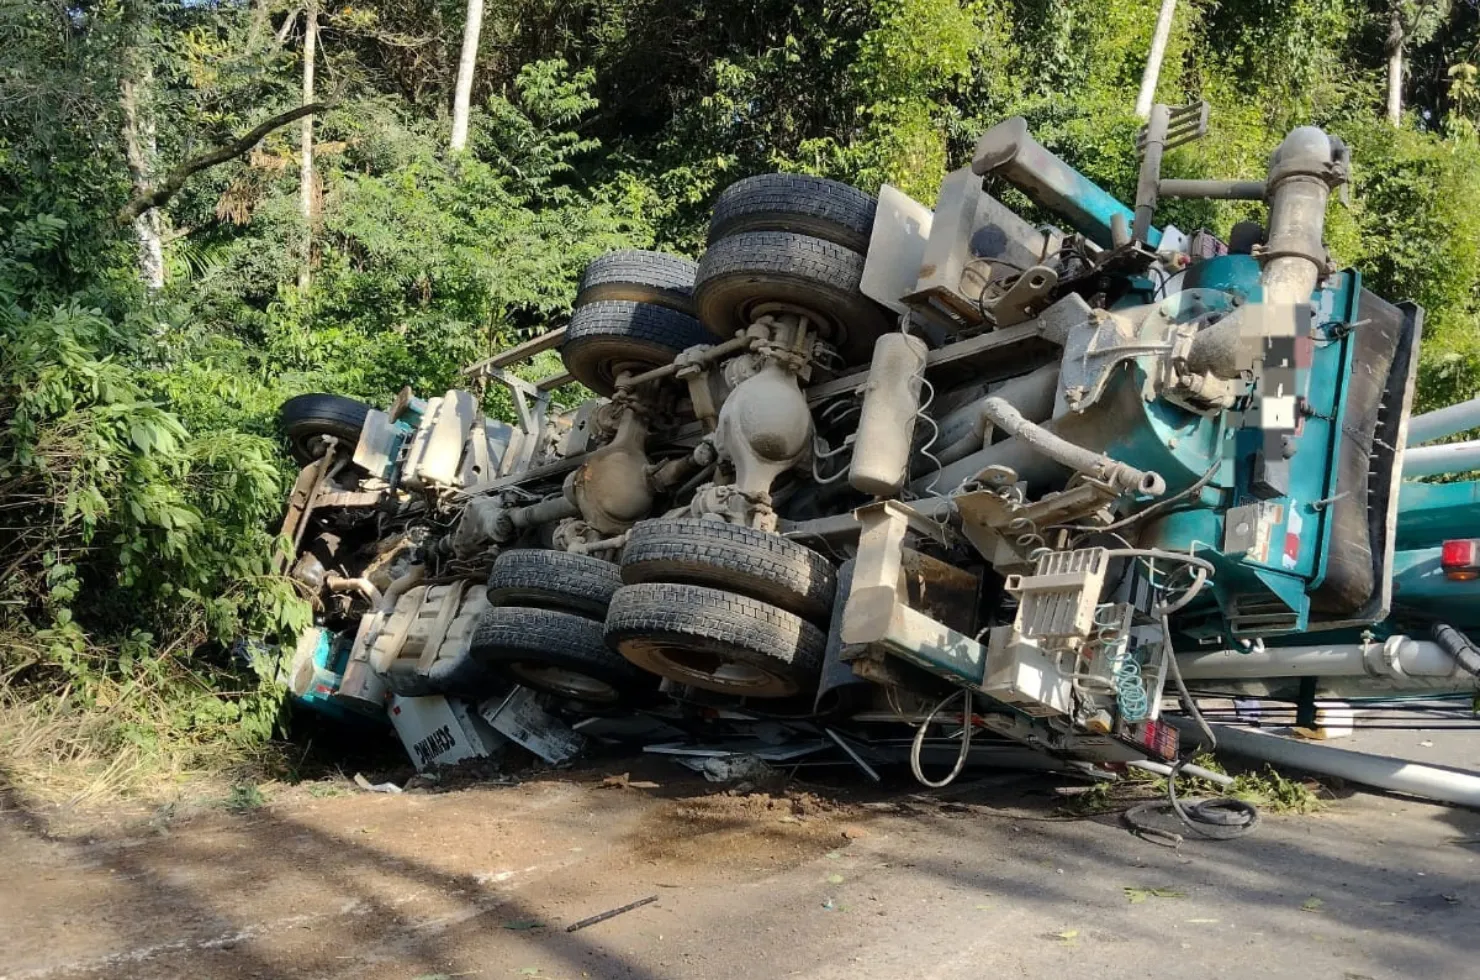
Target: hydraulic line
[
  {"x": 1125, "y": 478},
  {"x": 919, "y": 743},
  {"x": 1220, "y": 818}
]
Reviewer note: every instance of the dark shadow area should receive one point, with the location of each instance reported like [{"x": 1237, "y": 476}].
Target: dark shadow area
[
  {"x": 998, "y": 834},
  {"x": 220, "y": 945}
]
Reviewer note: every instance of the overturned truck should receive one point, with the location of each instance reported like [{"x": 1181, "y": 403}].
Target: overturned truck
[{"x": 869, "y": 462}]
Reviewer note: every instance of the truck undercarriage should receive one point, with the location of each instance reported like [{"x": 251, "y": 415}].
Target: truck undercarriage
[{"x": 868, "y": 462}]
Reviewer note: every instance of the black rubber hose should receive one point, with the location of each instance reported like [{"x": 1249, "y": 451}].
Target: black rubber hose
[
  {"x": 1223, "y": 818},
  {"x": 1458, "y": 646}
]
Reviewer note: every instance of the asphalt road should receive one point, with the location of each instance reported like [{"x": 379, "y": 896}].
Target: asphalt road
[{"x": 989, "y": 882}]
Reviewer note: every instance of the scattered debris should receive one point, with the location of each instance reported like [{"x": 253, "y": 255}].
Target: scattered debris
[
  {"x": 521, "y": 718},
  {"x": 775, "y": 744},
  {"x": 1139, "y": 895},
  {"x": 370, "y": 787},
  {"x": 854, "y": 755},
  {"x": 724, "y": 769},
  {"x": 624, "y": 780},
  {"x": 611, "y": 914}
]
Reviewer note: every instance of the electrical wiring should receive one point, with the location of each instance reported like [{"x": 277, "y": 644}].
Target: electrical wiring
[
  {"x": 924, "y": 450},
  {"x": 1158, "y": 507}
]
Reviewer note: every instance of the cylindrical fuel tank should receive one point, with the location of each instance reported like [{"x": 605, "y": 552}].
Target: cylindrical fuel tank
[{"x": 891, "y": 400}]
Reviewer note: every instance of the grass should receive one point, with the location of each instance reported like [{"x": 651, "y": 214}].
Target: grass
[
  {"x": 244, "y": 798},
  {"x": 1267, "y": 789},
  {"x": 122, "y": 744}
]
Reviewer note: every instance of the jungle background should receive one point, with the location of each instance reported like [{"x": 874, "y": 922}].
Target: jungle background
[{"x": 167, "y": 279}]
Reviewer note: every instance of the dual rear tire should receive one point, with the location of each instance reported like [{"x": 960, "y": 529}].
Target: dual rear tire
[
  {"x": 722, "y": 608},
  {"x": 633, "y": 312},
  {"x": 790, "y": 243},
  {"x": 711, "y": 605},
  {"x": 545, "y": 630},
  {"x": 778, "y": 243}
]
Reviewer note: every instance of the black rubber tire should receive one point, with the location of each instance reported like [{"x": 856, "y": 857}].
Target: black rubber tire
[
  {"x": 640, "y": 277},
  {"x": 540, "y": 579},
  {"x": 715, "y": 640},
  {"x": 527, "y": 646},
  {"x": 812, "y": 206},
  {"x": 306, "y": 419},
  {"x": 763, "y": 566},
  {"x": 744, "y": 276},
  {"x": 462, "y": 677},
  {"x": 608, "y": 338}
]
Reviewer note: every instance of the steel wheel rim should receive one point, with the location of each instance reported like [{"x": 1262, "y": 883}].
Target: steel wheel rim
[
  {"x": 708, "y": 670},
  {"x": 569, "y": 683}
]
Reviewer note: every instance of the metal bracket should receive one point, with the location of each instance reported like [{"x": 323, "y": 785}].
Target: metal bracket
[
  {"x": 532, "y": 403},
  {"x": 1057, "y": 602},
  {"x": 1025, "y": 297},
  {"x": 1005, "y": 531},
  {"x": 1184, "y": 124}
]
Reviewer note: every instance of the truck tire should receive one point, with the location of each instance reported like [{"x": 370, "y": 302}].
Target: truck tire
[
  {"x": 744, "y": 276},
  {"x": 540, "y": 579},
  {"x": 611, "y": 337},
  {"x": 559, "y": 653},
  {"x": 763, "y": 566},
  {"x": 640, "y": 277},
  {"x": 307, "y": 419},
  {"x": 715, "y": 640},
  {"x": 460, "y": 677},
  {"x": 797, "y": 203}
]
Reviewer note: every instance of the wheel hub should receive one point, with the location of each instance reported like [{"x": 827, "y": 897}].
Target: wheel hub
[
  {"x": 568, "y": 683},
  {"x": 705, "y": 668}
]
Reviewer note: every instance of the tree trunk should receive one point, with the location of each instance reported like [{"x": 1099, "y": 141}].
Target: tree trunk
[
  {"x": 1394, "y": 48},
  {"x": 462, "y": 96},
  {"x": 141, "y": 149},
  {"x": 1158, "y": 51},
  {"x": 305, "y": 165}
]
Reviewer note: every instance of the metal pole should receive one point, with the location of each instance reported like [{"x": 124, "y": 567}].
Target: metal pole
[
  {"x": 1449, "y": 457},
  {"x": 1146, "y": 189},
  {"x": 1220, "y": 190},
  {"x": 1153, "y": 59},
  {"x": 1198, "y": 772},
  {"x": 1397, "y": 656},
  {"x": 1443, "y": 422},
  {"x": 1399, "y": 775}
]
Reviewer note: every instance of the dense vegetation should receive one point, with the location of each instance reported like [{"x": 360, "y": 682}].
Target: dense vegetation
[{"x": 144, "y": 350}]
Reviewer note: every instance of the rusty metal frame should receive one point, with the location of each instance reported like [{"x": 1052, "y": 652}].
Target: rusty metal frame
[{"x": 877, "y": 611}]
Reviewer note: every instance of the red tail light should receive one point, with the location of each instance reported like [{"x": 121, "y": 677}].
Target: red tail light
[{"x": 1461, "y": 559}]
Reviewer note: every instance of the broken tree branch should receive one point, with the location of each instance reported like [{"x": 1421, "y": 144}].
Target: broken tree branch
[{"x": 176, "y": 178}]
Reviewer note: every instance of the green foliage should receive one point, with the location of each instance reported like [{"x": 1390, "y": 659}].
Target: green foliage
[
  {"x": 139, "y": 470},
  {"x": 124, "y": 531},
  {"x": 244, "y": 798}
]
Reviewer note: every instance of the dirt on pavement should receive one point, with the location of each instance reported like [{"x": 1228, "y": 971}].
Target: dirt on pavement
[{"x": 482, "y": 881}]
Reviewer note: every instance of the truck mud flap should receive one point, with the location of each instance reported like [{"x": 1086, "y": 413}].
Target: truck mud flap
[{"x": 1357, "y": 588}]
